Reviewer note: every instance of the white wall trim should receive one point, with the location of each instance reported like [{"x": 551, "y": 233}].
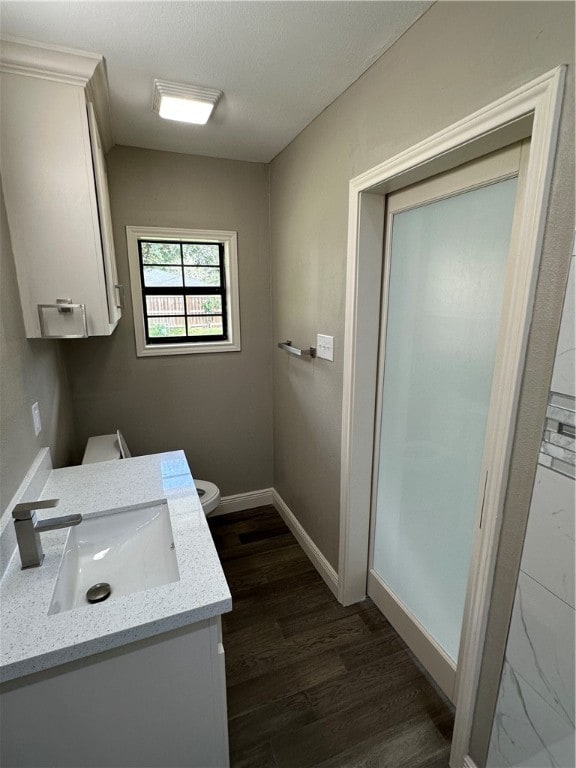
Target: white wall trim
[
  {"x": 54, "y": 62},
  {"x": 316, "y": 557},
  {"x": 241, "y": 501},
  {"x": 266, "y": 496},
  {"x": 531, "y": 110},
  {"x": 469, "y": 763}
]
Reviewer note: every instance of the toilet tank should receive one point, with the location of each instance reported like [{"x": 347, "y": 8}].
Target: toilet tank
[{"x": 105, "y": 448}]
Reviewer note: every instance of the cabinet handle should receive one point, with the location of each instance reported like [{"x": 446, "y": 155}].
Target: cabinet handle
[
  {"x": 63, "y": 306},
  {"x": 120, "y": 289}
]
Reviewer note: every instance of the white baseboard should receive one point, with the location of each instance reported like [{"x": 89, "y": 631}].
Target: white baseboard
[
  {"x": 266, "y": 496},
  {"x": 317, "y": 558},
  {"x": 240, "y": 501},
  {"x": 468, "y": 762}
]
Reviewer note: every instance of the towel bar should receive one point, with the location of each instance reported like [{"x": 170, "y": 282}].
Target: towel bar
[{"x": 287, "y": 347}]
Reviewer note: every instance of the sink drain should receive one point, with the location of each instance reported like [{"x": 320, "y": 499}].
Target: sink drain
[{"x": 99, "y": 592}]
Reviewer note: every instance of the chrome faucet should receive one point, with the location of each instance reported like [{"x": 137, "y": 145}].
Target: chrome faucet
[{"x": 28, "y": 529}]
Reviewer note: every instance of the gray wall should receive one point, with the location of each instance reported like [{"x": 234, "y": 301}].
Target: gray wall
[
  {"x": 457, "y": 58},
  {"x": 217, "y": 407},
  {"x": 30, "y": 370}
]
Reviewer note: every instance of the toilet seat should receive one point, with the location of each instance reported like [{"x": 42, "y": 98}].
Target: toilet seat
[{"x": 209, "y": 495}]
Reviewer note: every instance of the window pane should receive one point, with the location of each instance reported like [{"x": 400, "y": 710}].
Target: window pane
[
  {"x": 162, "y": 277},
  {"x": 165, "y": 305},
  {"x": 199, "y": 276},
  {"x": 160, "y": 253},
  {"x": 195, "y": 253},
  {"x": 204, "y": 305},
  {"x": 166, "y": 326},
  {"x": 205, "y": 326}
]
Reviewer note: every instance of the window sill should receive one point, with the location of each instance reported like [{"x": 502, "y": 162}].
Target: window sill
[{"x": 159, "y": 350}]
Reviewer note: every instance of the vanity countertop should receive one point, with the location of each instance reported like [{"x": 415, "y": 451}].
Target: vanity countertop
[{"x": 32, "y": 640}]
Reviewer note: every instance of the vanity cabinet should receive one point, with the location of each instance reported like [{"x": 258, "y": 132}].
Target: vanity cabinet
[
  {"x": 54, "y": 106},
  {"x": 157, "y": 702},
  {"x": 135, "y": 680}
]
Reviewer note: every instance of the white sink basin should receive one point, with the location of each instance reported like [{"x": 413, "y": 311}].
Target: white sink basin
[{"x": 130, "y": 549}]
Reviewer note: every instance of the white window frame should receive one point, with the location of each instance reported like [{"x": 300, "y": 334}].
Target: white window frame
[{"x": 230, "y": 242}]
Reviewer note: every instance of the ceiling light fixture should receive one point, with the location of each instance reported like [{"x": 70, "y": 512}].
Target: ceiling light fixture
[{"x": 187, "y": 103}]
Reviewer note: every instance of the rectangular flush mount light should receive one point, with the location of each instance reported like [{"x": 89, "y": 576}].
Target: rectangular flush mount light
[{"x": 187, "y": 103}]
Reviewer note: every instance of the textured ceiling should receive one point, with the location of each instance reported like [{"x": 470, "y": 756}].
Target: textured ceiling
[{"x": 278, "y": 63}]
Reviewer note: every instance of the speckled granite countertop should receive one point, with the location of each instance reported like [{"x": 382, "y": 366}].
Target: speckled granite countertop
[{"x": 32, "y": 640}]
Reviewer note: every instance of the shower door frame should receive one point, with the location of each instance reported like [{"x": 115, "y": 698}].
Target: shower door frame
[{"x": 532, "y": 111}]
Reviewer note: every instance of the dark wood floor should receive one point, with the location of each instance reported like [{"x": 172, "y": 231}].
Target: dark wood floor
[{"x": 311, "y": 683}]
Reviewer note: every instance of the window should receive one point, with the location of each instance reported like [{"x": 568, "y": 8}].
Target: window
[{"x": 184, "y": 290}]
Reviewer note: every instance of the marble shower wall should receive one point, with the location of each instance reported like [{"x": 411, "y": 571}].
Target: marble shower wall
[{"x": 534, "y": 721}]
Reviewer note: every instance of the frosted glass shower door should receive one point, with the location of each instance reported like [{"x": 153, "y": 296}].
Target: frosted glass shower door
[{"x": 446, "y": 261}]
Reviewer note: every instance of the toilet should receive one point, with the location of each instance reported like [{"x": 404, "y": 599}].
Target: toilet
[
  {"x": 112, "y": 447},
  {"x": 209, "y": 495}
]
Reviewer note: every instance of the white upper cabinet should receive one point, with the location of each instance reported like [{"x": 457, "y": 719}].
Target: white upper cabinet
[{"x": 54, "y": 111}]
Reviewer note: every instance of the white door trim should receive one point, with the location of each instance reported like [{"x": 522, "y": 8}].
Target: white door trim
[
  {"x": 496, "y": 167},
  {"x": 432, "y": 656},
  {"x": 532, "y": 110}
]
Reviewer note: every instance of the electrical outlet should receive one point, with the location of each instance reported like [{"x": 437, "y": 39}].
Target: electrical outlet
[
  {"x": 36, "y": 418},
  {"x": 325, "y": 347}
]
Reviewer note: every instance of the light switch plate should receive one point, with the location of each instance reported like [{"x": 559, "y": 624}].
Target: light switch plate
[
  {"x": 325, "y": 347},
  {"x": 36, "y": 418}
]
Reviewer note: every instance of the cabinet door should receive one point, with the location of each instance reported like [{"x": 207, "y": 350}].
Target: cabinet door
[
  {"x": 113, "y": 289},
  {"x": 49, "y": 189},
  {"x": 155, "y": 702}
]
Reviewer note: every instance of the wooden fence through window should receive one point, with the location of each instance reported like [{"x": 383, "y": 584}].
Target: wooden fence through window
[{"x": 161, "y": 306}]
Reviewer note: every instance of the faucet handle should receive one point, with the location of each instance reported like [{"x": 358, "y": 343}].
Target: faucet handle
[{"x": 25, "y": 509}]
